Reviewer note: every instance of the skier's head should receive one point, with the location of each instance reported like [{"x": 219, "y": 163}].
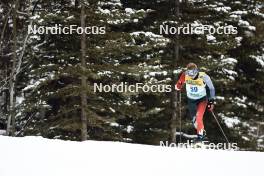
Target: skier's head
[{"x": 192, "y": 70}]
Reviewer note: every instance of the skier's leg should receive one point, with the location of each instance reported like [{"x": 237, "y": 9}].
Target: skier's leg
[
  {"x": 199, "y": 116},
  {"x": 192, "y": 107}
]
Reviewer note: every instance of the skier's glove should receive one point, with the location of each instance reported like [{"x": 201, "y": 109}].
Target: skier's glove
[{"x": 210, "y": 105}]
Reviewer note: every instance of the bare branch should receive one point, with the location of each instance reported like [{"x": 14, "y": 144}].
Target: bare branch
[
  {"x": 23, "y": 52},
  {"x": 22, "y": 13}
]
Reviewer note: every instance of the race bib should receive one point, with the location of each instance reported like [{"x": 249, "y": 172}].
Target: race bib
[
  {"x": 195, "y": 88},
  {"x": 195, "y": 92}
]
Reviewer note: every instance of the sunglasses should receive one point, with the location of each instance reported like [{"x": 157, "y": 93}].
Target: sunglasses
[{"x": 192, "y": 72}]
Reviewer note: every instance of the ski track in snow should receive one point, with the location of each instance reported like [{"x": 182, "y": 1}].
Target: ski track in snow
[{"x": 36, "y": 156}]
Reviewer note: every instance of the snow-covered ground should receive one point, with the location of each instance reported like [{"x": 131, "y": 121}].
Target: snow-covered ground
[
  {"x": 35, "y": 156},
  {"x": 2, "y": 132}
]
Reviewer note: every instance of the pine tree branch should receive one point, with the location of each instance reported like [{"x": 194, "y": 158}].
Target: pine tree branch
[{"x": 25, "y": 125}]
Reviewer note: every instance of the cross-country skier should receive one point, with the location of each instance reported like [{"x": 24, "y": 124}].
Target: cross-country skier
[{"x": 200, "y": 94}]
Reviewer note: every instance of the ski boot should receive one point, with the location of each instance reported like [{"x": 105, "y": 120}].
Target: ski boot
[{"x": 199, "y": 141}]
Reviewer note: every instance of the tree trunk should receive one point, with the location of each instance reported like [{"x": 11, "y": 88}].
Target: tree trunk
[
  {"x": 76, "y": 3},
  {"x": 3, "y": 31},
  {"x": 174, "y": 99},
  {"x": 83, "y": 79},
  {"x": 12, "y": 82}
]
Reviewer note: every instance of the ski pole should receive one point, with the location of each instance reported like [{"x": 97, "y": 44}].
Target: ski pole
[
  {"x": 220, "y": 127},
  {"x": 180, "y": 114}
]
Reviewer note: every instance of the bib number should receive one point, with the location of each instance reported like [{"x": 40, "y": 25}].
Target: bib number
[{"x": 194, "y": 89}]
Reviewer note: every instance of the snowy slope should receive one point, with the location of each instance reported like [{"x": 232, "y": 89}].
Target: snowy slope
[{"x": 35, "y": 156}]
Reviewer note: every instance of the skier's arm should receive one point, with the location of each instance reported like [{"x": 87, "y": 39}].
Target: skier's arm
[
  {"x": 180, "y": 82},
  {"x": 210, "y": 85}
]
